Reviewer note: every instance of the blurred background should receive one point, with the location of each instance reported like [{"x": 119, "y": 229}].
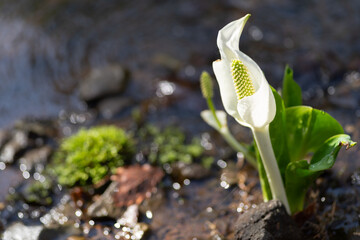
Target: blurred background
[{"x": 61, "y": 55}]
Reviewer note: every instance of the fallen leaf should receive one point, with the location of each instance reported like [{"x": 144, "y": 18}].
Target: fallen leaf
[{"x": 135, "y": 183}]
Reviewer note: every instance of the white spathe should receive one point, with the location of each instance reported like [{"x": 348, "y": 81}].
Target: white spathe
[
  {"x": 257, "y": 110},
  {"x": 209, "y": 118}
]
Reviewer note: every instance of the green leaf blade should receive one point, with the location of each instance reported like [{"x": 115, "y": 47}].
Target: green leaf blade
[
  {"x": 291, "y": 91},
  {"x": 300, "y": 174},
  {"x": 298, "y": 180},
  {"x": 278, "y": 135},
  {"x": 308, "y": 129},
  {"x": 324, "y": 158}
]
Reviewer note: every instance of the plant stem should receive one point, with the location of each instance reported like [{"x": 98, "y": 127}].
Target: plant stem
[
  {"x": 212, "y": 109},
  {"x": 238, "y": 146},
  {"x": 262, "y": 138}
]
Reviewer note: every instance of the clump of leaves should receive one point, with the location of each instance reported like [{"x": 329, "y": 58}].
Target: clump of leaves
[
  {"x": 298, "y": 132},
  {"x": 90, "y": 155},
  {"x": 169, "y": 146}
]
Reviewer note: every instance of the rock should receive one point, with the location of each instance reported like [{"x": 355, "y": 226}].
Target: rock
[
  {"x": 111, "y": 106},
  {"x": 102, "y": 81},
  {"x": 18, "y": 231},
  {"x": 129, "y": 225},
  {"x": 18, "y": 142},
  {"x": 76, "y": 238},
  {"x": 9, "y": 178},
  {"x": 269, "y": 221},
  {"x": 4, "y": 137},
  {"x": 32, "y": 158},
  {"x": 230, "y": 174},
  {"x": 39, "y": 127},
  {"x": 61, "y": 233},
  {"x": 64, "y": 214},
  {"x": 104, "y": 206},
  {"x": 181, "y": 171},
  {"x": 130, "y": 216}
]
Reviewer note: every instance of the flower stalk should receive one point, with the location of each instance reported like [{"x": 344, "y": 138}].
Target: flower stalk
[{"x": 262, "y": 138}]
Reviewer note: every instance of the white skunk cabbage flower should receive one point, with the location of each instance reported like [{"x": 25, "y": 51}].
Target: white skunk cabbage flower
[
  {"x": 247, "y": 97},
  {"x": 245, "y": 93}
]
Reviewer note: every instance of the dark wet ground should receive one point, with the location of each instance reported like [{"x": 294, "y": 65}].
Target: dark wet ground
[{"x": 47, "y": 49}]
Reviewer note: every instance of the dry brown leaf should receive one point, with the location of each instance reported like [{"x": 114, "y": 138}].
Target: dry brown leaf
[{"x": 135, "y": 183}]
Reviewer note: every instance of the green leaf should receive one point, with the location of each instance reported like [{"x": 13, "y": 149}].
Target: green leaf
[
  {"x": 298, "y": 179},
  {"x": 307, "y": 130},
  {"x": 300, "y": 174},
  {"x": 291, "y": 91},
  {"x": 325, "y": 156},
  {"x": 278, "y": 135}
]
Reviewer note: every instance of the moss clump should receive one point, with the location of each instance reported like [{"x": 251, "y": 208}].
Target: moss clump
[
  {"x": 39, "y": 193},
  {"x": 169, "y": 146},
  {"x": 90, "y": 155}
]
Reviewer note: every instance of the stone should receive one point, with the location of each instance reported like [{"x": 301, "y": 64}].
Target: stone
[
  {"x": 68, "y": 233},
  {"x": 111, "y": 106},
  {"x": 62, "y": 215},
  {"x": 268, "y": 221},
  {"x": 18, "y": 142},
  {"x": 39, "y": 127},
  {"x": 34, "y": 157},
  {"x": 4, "y": 137},
  {"x": 104, "y": 206},
  {"x": 102, "y": 81},
  {"x": 181, "y": 171},
  {"x": 18, "y": 231}
]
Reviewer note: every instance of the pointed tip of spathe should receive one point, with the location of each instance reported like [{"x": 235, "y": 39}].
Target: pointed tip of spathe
[{"x": 246, "y": 17}]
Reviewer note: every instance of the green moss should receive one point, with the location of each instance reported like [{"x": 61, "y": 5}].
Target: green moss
[
  {"x": 88, "y": 156},
  {"x": 39, "y": 193},
  {"x": 169, "y": 146}
]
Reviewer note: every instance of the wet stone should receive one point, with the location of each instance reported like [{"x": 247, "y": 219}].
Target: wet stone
[
  {"x": 18, "y": 142},
  {"x": 355, "y": 178},
  {"x": 76, "y": 238},
  {"x": 104, "y": 206},
  {"x": 181, "y": 171},
  {"x": 129, "y": 225},
  {"x": 112, "y": 106},
  {"x": 35, "y": 157},
  {"x": 61, "y": 233},
  {"x": 111, "y": 79},
  {"x": 18, "y": 231},
  {"x": 268, "y": 221},
  {"x": 9, "y": 178},
  {"x": 4, "y": 137},
  {"x": 130, "y": 216},
  {"x": 61, "y": 215},
  {"x": 230, "y": 174},
  {"x": 39, "y": 127}
]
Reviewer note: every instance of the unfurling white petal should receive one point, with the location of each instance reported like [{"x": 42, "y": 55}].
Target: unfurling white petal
[
  {"x": 226, "y": 85},
  {"x": 209, "y": 118},
  {"x": 229, "y": 37}
]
